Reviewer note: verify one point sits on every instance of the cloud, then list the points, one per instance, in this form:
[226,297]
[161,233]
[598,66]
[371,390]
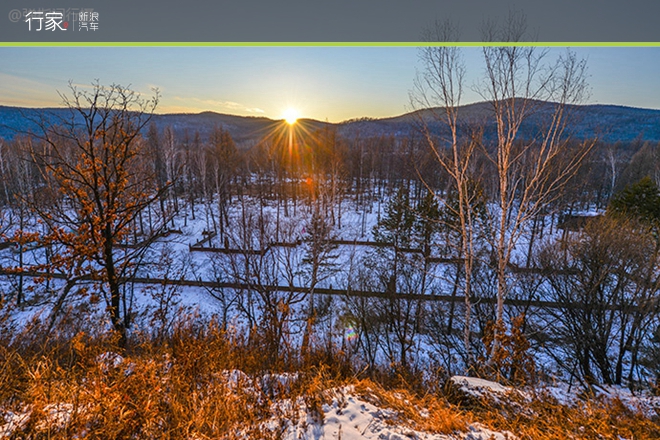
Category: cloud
[144,92]
[163,109]
[19,91]
[226,105]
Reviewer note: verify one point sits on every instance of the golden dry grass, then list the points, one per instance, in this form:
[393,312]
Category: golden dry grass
[431,413]
[192,386]
[543,418]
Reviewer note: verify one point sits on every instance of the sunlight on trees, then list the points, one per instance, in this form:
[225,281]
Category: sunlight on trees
[94,163]
[529,173]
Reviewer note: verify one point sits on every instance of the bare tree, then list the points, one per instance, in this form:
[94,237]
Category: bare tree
[94,162]
[438,91]
[531,170]
[606,280]
[222,159]
[19,181]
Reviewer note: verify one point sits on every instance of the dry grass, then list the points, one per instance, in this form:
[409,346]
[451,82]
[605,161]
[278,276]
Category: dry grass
[199,384]
[159,390]
[543,418]
[430,413]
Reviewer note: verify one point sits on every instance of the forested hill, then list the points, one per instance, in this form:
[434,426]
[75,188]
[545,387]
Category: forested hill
[609,123]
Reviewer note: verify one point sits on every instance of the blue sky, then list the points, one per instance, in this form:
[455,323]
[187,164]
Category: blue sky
[325,83]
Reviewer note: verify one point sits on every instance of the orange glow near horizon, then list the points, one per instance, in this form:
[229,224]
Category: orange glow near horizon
[291,115]
[293,140]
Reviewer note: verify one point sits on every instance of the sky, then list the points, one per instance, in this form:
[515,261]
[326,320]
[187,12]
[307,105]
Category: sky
[323,83]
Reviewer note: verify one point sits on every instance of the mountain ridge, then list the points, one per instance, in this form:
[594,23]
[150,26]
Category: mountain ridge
[607,122]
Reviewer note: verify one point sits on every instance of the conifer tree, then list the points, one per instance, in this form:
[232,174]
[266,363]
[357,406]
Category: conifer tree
[640,201]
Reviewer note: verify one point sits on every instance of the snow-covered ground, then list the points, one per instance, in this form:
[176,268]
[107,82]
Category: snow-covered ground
[350,266]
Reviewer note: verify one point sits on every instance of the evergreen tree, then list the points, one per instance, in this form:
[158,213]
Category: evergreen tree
[427,216]
[395,228]
[640,201]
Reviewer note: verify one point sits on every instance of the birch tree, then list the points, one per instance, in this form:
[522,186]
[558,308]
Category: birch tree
[531,166]
[438,91]
[521,82]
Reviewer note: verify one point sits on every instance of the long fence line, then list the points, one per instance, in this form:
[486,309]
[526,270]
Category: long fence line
[337,292]
[200,247]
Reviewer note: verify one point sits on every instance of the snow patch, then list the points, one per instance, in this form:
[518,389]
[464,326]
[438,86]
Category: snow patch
[14,422]
[478,387]
[57,416]
[349,417]
[110,361]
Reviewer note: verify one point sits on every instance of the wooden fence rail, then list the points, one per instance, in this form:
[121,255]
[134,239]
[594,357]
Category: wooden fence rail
[340,292]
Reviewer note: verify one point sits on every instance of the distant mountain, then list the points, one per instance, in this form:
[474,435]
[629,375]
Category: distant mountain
[18,120]
[609,123]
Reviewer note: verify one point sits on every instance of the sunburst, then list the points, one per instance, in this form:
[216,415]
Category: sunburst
[291,115]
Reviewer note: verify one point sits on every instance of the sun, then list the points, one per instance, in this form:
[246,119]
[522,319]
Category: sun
[291,115]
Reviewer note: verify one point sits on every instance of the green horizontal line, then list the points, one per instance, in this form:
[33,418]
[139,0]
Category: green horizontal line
[323,44]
